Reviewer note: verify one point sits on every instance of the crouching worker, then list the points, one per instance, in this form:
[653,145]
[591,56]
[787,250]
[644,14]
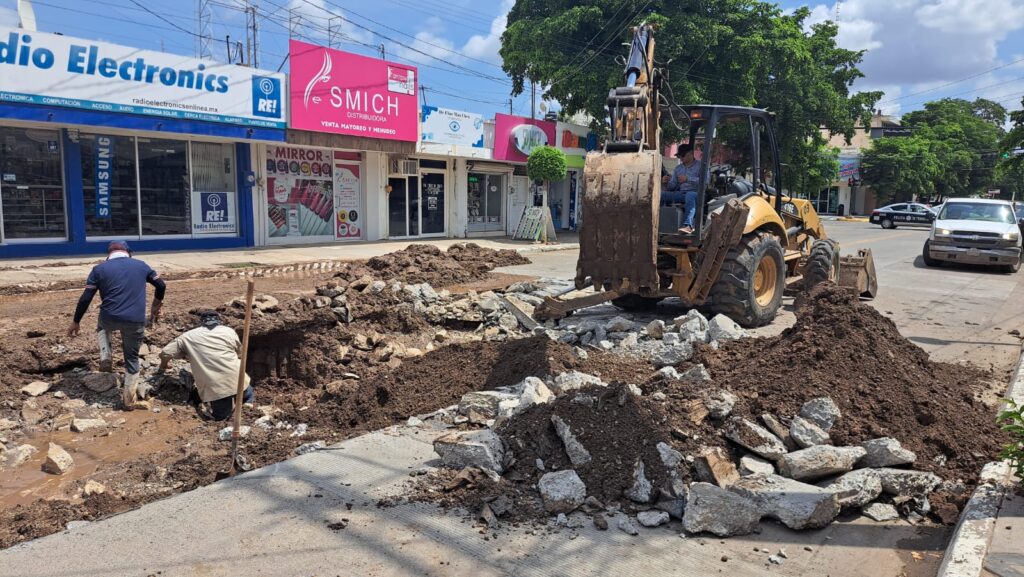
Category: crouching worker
[212,351]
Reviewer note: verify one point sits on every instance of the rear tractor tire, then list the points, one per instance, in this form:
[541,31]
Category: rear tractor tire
[822,263]
[749,287]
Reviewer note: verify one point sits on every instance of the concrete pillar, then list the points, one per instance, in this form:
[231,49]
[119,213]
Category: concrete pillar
[375,195]
[458,218]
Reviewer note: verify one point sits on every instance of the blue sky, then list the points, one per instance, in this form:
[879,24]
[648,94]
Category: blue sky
[918,50]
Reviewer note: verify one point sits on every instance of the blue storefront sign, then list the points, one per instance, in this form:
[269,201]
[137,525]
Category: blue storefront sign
[104,168]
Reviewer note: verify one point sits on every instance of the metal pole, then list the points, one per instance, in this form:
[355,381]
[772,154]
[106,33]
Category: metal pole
[533,99]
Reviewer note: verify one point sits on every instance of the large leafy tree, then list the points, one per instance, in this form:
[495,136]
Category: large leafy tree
[1011,142]
[742,52]
[897,168]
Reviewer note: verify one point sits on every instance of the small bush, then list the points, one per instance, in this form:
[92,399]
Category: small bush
[1012,421]
[546,163]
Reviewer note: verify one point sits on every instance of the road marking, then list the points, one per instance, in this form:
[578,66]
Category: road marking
[863,241]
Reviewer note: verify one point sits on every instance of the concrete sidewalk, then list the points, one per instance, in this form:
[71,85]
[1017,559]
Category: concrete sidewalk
[280,520]
[50,270]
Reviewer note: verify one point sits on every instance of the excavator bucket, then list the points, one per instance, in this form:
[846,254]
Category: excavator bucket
[619,233]
[858,272]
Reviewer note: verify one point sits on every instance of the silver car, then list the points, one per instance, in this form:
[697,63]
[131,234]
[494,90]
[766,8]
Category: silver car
[975,231]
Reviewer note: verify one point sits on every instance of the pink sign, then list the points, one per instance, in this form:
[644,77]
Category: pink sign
[343,93]
[516,136]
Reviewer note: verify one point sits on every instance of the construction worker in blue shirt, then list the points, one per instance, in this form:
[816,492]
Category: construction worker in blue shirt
[121,281]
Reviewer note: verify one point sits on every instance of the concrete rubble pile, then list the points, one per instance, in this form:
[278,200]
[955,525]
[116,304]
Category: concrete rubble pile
[769,466]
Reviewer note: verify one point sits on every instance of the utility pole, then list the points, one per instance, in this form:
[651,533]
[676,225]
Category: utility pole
[423,94]
[383,56]
[532,99]
[334,33]
[510,106]
[251,36]
[204,17]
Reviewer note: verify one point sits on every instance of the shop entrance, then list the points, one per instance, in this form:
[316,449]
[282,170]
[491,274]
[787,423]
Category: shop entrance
[486,202]
[416,205]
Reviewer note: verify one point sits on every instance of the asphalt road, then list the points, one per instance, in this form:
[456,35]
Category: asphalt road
[955,312]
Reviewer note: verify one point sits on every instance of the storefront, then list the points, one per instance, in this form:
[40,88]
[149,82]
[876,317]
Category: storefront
[514,138]
[564,196]
[341,175]
[102,142]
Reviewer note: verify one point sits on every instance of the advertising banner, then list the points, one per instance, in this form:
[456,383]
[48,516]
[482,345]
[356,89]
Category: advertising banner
[213,212]
[849,166]
[300,192]
[516,136]
[348,223]
[104,169]
[343,93]
[55,70]
[444,126]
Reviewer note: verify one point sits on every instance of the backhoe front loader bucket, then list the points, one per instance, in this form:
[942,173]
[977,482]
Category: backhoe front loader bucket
[619,232]
[858,272]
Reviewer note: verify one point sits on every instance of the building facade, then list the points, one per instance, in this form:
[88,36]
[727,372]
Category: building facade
[101,142]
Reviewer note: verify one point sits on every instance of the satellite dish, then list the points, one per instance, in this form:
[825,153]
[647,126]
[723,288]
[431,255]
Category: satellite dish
[543,107]
[26,15]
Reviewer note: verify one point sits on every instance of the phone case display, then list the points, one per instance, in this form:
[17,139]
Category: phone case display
[300,192]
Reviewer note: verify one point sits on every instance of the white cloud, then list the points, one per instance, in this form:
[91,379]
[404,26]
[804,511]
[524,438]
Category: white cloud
[486,47]
[915,42]
[313,17]
[428,40]
[431,39]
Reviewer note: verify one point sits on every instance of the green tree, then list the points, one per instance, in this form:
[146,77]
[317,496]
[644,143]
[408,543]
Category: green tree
[964,137]
[546,163]
[898,168]
[742,52]
[818,171]
[1011,141]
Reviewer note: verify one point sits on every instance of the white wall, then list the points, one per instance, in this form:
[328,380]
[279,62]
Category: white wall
[458,211]
[376,199]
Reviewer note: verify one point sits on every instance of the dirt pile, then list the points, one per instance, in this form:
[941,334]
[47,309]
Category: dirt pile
[883,384]
[420,263]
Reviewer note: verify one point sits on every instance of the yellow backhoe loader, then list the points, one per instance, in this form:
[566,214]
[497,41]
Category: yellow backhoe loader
[722,237]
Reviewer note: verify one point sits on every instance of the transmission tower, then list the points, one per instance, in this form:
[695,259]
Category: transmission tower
[204,36]
[252,37]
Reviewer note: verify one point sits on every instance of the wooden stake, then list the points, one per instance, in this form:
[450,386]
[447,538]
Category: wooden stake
[249,294]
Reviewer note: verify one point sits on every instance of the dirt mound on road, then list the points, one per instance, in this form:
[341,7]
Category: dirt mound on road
[885,385]
[418,263]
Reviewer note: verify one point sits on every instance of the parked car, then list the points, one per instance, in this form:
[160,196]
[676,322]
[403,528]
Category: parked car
[904,213]
[975,231]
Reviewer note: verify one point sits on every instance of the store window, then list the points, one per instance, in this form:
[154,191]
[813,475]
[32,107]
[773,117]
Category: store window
[485,198]
[164,187]
[110,186]
[31,184]
[213,188]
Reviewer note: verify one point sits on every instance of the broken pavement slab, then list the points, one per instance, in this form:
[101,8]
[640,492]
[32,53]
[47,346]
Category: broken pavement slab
[754,438]
[797,505]
[35,388]
[885,452]
[714,510]
[58,461]
[480,448]
[713,465]
[818,462]
[561,491]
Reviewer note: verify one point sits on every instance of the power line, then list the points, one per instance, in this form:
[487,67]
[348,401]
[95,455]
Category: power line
[185,30]
[964,79]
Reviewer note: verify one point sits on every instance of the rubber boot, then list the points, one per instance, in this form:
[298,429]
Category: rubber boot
[106,362]
[129,395]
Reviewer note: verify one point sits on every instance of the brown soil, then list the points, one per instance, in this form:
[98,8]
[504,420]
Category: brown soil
[884,384]
[463,262]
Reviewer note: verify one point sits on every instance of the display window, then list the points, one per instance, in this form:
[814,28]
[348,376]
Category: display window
[110,185]
[486,200]
[313,193]
[32,201]
[165,187]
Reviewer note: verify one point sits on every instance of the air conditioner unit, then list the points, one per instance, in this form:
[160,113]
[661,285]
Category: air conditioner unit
[402,165]
[410,167]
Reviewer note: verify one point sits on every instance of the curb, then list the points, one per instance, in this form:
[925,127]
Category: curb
[968,547]
[549,247]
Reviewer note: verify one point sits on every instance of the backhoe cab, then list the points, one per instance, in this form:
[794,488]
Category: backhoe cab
[745,241]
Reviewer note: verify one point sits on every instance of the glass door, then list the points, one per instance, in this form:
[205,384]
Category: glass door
[398,204]
[432,196]
[486,201]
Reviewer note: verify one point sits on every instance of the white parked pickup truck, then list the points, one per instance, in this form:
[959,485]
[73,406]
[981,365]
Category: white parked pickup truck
[975,231]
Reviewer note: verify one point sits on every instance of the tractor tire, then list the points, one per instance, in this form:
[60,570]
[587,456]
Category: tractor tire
[750,285]
[635,302]
[822,263]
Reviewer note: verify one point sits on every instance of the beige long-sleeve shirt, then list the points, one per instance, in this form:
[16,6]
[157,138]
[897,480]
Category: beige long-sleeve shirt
[213,355]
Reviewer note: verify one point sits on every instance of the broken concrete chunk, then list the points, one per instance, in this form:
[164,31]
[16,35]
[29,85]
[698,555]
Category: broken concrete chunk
[751,465]
[656,329]
[310,447]
[7,424]
[797,505]
[574,380]
[669,456]
[806,433]
[881,512]
[82,425]
[225,433]
[693,329]
[885,452]
[481,406]
[819,461]
[35,388]
[719,402]
[562,491]
[672,355]
[15,456]
[634,390]
[577,453]
[856,488]
[674,507]
[754,438]
[58,461]
[715,510]
[652,518]
[907,483]
[695,374]
[619,325]
[823,411]
[640,491]
[481,449]
[99,382]
[533,392]
[722,328]
[713,465]
[671,339]
[667,373]
[627,526]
